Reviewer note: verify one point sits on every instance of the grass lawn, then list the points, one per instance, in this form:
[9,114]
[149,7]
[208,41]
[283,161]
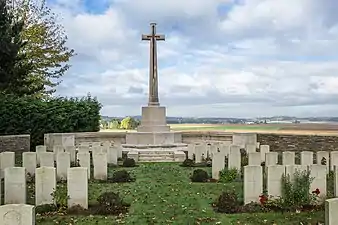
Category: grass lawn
[163,194]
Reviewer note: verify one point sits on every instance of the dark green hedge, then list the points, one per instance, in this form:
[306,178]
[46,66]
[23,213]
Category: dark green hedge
[58,115]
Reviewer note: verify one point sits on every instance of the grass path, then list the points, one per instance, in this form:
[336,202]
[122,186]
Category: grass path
[163,194]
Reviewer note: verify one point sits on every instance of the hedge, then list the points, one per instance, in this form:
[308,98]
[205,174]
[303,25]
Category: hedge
[57,115]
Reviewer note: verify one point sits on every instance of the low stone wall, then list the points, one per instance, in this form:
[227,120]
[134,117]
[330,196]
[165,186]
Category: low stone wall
[277,142]
[15,143]
[313,143]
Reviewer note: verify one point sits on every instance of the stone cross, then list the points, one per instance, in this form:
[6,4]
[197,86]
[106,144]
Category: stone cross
[153,79]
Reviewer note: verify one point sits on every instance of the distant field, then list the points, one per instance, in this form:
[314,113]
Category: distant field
[221,127]
[309,129]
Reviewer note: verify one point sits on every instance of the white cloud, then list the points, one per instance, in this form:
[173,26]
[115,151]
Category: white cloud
[266,57]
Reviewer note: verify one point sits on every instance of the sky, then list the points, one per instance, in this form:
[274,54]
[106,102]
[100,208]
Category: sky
[221,58]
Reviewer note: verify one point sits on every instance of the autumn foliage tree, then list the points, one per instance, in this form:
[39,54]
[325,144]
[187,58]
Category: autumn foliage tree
[46,44]
[14,68]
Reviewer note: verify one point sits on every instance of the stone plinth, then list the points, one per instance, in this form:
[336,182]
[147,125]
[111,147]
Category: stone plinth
[156,152]
[153,138]
[153,119]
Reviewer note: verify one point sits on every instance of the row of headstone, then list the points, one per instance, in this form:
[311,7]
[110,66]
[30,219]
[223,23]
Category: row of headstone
[330,159]
[253,179]
[63,161]
[45,184]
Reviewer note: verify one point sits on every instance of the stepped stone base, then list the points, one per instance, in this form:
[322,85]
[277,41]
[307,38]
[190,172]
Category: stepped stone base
[156,152]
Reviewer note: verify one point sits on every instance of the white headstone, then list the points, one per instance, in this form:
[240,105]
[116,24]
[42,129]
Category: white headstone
[112,155]
[77,186]
[234,160]
[15,185]
[331,209]
[45,184]
[263,150]
[323,156]
[199,149]
[225,149]
[57,149]
[274,180]
[271,159]
[47,159]
[84,148]
[7,160]
[96,149]
[17,214]
[335,169]
[84,161]
[306,158]
[39,149]
[253,183]
[333,159]
[72,152]
[29,162]
[288,158]
[218,164]
[254,159]
[250,148]
[62,165]
[100,166]
[290,170]
[191,150]
[318,172]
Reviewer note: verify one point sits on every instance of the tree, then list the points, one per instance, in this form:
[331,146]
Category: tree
[46,44]
[114,124]
[14,68]
[129,123]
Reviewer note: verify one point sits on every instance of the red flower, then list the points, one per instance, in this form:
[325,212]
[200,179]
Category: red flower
[263,199]
[317,191]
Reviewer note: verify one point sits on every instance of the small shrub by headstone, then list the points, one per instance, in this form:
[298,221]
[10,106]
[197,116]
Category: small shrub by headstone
[199,175]
[330,179]
[110,203]
[228,176]
[188,163]
[112,165]
[60,197]
[227,202]
[296,195]
[75,164]
[121,176]
[46,209]
[128,162]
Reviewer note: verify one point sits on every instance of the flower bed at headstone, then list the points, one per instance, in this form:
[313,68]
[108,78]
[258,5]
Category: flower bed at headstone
[164,194]
[296,197]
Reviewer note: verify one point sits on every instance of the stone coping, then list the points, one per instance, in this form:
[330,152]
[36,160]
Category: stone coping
[139,146]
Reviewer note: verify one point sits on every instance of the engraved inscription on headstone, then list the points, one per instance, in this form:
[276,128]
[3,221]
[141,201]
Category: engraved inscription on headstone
[12,218]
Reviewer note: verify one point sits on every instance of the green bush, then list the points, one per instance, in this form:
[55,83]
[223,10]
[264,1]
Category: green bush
[199,175]
[111,203]
[296,194]
[188,163]
[28,115]
[122,176]
[128,162]
[228,203]
[46,208]
[228,175]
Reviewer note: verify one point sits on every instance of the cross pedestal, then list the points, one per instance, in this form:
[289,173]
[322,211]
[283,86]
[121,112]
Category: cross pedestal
[153,119]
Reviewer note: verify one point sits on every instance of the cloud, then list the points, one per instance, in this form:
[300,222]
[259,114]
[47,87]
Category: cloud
[221,58]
